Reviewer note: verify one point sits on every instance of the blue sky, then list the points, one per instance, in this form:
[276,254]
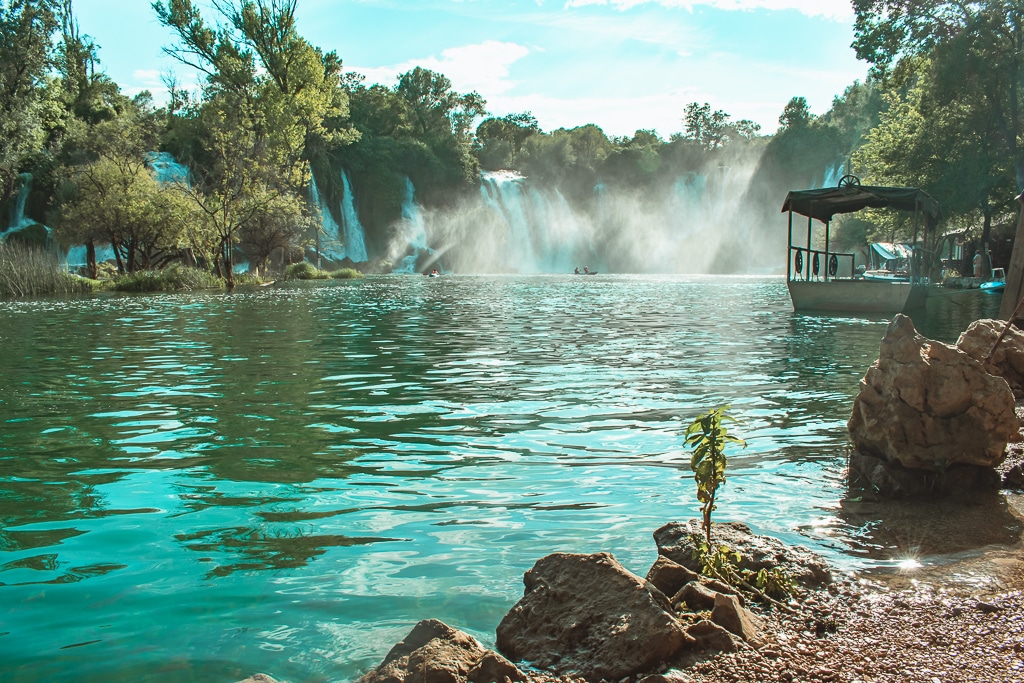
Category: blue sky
[622,64]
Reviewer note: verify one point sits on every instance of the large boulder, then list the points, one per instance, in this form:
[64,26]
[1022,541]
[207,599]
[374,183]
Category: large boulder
[927,405]
[434,652]
[677,542]
[586,615]
[1007,359]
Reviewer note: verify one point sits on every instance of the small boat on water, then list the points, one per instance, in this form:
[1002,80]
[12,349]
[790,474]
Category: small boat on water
[820,279]
[997,284]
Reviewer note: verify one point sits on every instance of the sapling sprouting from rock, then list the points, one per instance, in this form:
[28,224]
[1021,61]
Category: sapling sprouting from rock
[708,436]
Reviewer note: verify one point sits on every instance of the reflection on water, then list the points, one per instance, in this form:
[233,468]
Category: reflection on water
[202,486]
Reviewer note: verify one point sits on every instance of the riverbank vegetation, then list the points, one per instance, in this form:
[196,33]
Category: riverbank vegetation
[276,114]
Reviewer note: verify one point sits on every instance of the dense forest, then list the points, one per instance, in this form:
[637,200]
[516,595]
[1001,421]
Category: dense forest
[282,143]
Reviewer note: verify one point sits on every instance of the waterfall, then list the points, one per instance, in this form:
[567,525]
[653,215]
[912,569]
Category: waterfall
[166,168]
[340,241]
[414,230]
[832,175]
[18,220]
[355,236]
[538,232]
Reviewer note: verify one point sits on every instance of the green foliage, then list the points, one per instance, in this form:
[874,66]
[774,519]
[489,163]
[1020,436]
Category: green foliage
[708,436]
[26,56]
[346,274]
[713,130]
[722,563]
[775,583]
[304,270]
[26,271]
[174,278]
[716,561]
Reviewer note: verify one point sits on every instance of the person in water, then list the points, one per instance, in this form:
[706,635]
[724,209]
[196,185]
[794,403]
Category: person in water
[586,270]
[577,271]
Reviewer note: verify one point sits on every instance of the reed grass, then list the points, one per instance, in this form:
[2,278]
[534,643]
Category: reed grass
[31,271]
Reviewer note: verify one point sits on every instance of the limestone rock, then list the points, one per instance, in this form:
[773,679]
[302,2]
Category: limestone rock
[730,615]
[434,652]
[675,541]
[586,615]
[712,637]
[669,577]
[892,480]
[695,596]
[1007,360]
[928,405]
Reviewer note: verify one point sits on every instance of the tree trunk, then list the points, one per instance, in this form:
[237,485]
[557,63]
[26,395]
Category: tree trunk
[90,260]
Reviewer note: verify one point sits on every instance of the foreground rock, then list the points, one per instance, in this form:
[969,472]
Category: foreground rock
[676,542]
[434,652]
[929,411]
[1007,359]
[587,615]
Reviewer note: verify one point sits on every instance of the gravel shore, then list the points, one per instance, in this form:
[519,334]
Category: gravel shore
[956,622]
[957,619]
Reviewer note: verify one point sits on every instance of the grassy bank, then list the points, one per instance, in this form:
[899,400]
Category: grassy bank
[30,271]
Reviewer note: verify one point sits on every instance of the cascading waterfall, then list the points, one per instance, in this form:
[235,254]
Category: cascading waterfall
[340,241]
[414,230]
[833,174]
[539,232]
[166,168]
[18,220]
[355,236]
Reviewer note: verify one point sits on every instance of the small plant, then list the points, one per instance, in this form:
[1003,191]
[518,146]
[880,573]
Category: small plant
[775,583]
[708,436]
[716,561]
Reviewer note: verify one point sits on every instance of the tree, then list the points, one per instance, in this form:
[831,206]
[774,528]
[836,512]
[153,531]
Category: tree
[113,195]
[714,130]
[272,104]
[437,110]
[944,147]
[26,55]
[796,114]
[500,140]
[975,51]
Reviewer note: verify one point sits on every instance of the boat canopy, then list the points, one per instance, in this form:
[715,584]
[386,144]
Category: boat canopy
[827,202]
[889,251]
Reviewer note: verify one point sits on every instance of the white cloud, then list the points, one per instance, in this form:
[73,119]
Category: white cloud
[483,67]
[839,10]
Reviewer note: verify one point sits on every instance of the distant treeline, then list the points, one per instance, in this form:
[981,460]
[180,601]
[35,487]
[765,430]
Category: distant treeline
[274,109]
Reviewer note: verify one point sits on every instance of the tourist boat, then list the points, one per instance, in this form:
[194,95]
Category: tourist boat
[998,282]
[820,279]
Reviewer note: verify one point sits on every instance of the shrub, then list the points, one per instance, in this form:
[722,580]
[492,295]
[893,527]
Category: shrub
[304,270]
[174,278]
[346,274]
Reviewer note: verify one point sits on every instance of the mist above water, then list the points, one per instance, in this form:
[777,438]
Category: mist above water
[702,222]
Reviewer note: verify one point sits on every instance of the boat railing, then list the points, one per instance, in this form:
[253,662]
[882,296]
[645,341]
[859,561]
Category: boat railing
[818,265]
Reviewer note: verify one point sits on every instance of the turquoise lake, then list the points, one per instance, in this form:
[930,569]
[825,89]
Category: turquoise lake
[204,486]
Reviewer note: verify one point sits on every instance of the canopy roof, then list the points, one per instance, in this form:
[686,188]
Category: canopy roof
[827,202]
[889,250]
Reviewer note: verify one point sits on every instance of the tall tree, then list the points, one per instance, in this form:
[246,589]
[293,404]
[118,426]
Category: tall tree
[26,55]
[272,103]
[715,129]
[976,49]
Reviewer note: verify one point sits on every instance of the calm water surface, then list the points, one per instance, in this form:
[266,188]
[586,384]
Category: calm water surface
[199,487]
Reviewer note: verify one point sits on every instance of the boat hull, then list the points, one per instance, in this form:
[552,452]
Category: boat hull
[857,296]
